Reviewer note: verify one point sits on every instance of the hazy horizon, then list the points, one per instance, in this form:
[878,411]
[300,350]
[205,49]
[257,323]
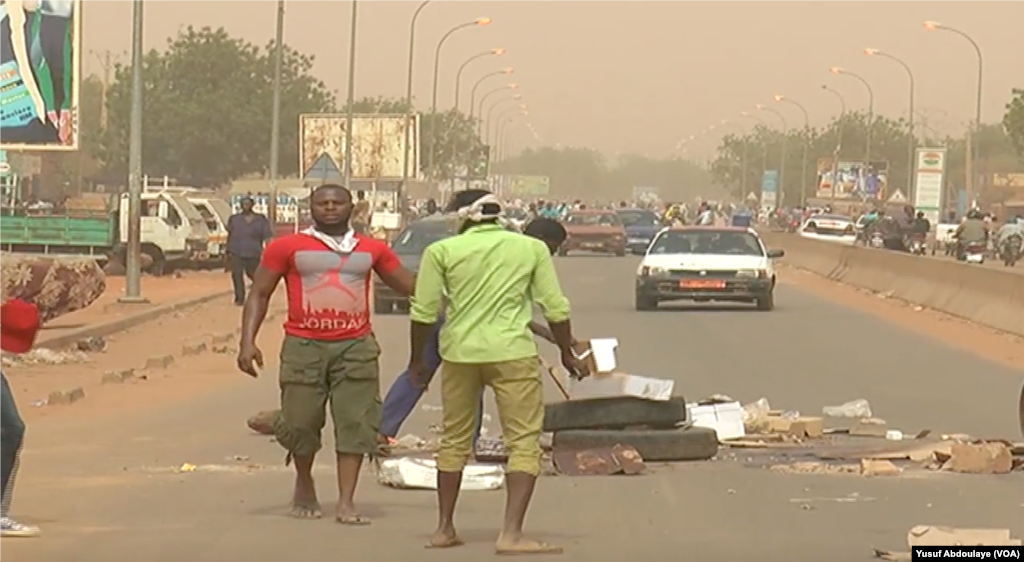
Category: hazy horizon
[632,76]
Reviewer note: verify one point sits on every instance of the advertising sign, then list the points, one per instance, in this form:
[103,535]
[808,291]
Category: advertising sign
[40,70]
[529,185]
[481,164]
[929,181]
[770,189]
[852,179]
[378,144]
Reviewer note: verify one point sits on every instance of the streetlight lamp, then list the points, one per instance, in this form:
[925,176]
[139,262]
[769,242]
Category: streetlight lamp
[350,113]
[481,80]
[871,107]
[975,149]
[806,135]
[275,115]
[133,258]
[912,142]
[480,106]
[437,68]
[408,102]
[458,75]
[785,149]
[490,112]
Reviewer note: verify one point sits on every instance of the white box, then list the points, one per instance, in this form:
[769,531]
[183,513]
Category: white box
[725,418]
[612,385]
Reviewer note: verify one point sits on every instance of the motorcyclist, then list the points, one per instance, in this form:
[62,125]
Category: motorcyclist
[892,233]
[972,231]
[1013,228]
[921,225]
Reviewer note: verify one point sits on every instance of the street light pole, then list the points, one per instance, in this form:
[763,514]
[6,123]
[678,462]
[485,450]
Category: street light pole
[480,107]
[785,149]
[912,141]
[501,116]
[275,115]
[408,104]
[976,145]
[458,75]
[871,108]
[481,80]
[490,112]
[434,124]
[839,135]
[806,135]
[133,258]
[350,114]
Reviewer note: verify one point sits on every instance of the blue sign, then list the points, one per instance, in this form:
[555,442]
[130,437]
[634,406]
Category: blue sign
[770,181]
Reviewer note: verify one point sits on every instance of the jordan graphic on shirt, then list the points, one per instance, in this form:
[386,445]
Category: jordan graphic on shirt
[333,288]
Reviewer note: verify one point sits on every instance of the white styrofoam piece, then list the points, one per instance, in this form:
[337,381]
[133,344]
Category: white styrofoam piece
[726,418]
[604,354]
[414,473]
[621,384]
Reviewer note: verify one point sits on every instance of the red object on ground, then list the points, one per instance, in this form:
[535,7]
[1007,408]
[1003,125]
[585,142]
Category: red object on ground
[19,324]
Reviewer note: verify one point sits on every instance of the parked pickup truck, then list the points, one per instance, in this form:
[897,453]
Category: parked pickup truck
[173,232]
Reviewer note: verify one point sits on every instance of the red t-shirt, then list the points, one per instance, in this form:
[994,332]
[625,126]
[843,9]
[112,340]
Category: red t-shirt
[328,292]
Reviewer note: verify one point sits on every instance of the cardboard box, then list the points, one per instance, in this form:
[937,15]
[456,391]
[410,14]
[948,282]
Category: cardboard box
[869,427]
[613,385]
[598,354]
[803,426]
[725,418]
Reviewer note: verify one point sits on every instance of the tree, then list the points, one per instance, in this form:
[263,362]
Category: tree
[586,173]
[207,109]
[1013,122]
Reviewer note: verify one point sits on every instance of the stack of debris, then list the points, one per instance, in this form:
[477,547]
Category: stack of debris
[613,421]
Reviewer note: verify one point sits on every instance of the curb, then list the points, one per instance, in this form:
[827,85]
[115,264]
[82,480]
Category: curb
[120,325]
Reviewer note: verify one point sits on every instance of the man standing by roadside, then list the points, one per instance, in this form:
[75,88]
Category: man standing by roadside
[35,289]
[248,231]
[490,276]
[361,214]
[329,354]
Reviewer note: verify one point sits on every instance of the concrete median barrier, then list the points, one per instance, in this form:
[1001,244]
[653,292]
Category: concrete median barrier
[988,296]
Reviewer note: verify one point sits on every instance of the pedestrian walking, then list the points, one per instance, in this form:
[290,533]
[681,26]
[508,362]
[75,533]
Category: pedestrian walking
[248,231]
[329,356]
[490,278]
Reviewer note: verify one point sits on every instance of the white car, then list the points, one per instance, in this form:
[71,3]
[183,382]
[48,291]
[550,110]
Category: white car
[838,229]
[702,264]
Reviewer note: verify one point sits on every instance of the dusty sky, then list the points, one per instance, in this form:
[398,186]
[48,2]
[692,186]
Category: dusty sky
[633,76]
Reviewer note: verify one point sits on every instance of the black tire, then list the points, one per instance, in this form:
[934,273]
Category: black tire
[614,413]
[644,303]
[684,444]
[383,307]
[158,264]
[766,303]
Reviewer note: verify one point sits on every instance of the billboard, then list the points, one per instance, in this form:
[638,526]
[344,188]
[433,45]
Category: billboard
[770,189]
[529,185]
[378,144]
[852,179]
[40,72]
[929,181]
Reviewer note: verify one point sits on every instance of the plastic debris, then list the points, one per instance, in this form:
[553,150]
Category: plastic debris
[409,473]
[187,468]
[853,409]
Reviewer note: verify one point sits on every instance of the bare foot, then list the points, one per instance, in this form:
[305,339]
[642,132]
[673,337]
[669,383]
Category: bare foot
[445,538]
[524,547]
[304,502]
[347,515]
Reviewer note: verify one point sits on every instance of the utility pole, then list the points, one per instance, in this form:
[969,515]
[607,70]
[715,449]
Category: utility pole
[106,60]
[133,260]
[275,119]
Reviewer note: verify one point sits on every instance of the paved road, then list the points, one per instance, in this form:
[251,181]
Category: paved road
[107,490]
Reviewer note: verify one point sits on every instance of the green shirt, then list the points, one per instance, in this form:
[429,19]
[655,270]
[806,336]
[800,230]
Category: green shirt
[491,277]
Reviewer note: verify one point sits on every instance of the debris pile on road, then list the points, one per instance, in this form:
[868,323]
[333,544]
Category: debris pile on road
[858,444]
[45,356]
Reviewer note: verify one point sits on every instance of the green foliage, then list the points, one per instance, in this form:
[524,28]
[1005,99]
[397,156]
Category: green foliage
[1013,122]
[586,173]
[208,104]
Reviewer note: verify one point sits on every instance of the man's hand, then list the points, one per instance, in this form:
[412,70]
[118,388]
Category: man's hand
[577,369]
[250,359]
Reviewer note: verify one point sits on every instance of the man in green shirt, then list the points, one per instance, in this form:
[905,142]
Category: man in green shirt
[491,278]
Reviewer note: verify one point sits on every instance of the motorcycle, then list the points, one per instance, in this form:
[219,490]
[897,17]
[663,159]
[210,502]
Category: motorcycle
[876,240]
[972,252]
[916,244]
[1010,250]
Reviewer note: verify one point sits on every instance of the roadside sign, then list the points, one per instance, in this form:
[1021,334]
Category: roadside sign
[929,181]
[898,197]
[479,168]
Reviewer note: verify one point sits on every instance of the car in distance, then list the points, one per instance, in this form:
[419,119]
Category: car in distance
[703,264]
[837,229]
[594,231]
[641,226]
[409,246]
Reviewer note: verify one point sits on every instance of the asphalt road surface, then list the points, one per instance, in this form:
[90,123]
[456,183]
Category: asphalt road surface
[108,490]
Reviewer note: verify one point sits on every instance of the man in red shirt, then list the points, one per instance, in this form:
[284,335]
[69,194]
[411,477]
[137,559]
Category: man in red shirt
[329,354]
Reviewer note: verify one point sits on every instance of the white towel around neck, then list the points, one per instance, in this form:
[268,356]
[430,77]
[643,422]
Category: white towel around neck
[345,245]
